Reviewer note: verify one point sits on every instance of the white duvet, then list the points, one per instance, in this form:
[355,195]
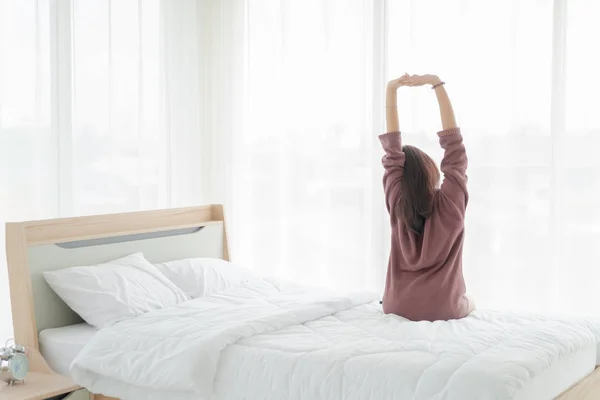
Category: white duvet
[268,340]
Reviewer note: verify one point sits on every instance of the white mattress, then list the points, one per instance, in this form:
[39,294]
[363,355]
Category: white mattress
[60,346]
[268,341]
[560,376]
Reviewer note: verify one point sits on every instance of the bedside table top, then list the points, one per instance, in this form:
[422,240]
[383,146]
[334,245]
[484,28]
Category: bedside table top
[40,383]
[38,386]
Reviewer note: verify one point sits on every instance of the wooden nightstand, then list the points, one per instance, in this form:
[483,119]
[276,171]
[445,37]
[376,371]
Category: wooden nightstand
[42,383]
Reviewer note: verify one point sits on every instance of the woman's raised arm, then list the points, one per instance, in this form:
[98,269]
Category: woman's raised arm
[393,160]
[446,111]
[455,162]
[391,103]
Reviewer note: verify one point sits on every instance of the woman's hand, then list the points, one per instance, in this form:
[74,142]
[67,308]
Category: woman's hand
[420,80]
[395,84]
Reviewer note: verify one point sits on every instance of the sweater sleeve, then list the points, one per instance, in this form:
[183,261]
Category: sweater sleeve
[454,167]
[393,163]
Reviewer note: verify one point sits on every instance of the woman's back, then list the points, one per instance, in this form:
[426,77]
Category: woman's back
[424,278]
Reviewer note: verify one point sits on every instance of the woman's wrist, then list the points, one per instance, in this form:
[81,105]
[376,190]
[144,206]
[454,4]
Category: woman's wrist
[435,80]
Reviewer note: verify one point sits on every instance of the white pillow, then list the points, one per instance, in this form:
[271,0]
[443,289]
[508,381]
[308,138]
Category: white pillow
[107,293]
[204,276]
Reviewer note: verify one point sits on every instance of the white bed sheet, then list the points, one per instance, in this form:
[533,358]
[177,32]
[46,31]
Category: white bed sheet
[264,342]
[60,346]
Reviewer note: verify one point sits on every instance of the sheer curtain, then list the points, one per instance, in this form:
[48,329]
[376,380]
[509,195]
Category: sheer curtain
[306,178]
[100,110]
[274,107]
[306,175]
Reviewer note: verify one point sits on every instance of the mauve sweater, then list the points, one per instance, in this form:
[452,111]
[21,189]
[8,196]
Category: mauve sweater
[424,277]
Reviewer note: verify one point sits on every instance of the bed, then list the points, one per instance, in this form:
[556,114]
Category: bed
[327,348]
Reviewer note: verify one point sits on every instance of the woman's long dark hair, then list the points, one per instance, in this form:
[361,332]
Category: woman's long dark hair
[419,183]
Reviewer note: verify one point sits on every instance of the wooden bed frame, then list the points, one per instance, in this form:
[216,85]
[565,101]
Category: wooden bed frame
[22,237]
[31,245]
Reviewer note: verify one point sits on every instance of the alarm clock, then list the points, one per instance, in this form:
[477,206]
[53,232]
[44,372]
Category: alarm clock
[14,363]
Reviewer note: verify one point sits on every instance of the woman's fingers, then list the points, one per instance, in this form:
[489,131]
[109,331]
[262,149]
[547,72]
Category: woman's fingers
[402,80]
[410,80]
[416,80]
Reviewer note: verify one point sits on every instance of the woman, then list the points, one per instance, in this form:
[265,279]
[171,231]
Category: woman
[424,277]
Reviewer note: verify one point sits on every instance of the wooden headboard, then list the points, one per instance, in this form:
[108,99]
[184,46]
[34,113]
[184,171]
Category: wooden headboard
[34,247]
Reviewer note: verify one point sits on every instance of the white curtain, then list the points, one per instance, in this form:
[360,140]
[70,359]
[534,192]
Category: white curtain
[306,173]
[522,75]
[101,108]
[274,108]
